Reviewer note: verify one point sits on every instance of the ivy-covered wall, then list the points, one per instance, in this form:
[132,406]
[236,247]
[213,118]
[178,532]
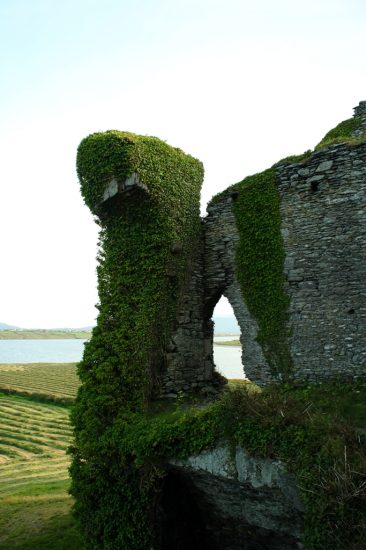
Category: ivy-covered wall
[258,269]
[150,228]
[287,248]
[300,260]
[145,195]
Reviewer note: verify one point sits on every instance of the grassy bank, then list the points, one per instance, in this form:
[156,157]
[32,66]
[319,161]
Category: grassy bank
[228,343]
[44,334]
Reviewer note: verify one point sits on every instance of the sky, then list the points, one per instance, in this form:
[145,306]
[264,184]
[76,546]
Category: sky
[236,83]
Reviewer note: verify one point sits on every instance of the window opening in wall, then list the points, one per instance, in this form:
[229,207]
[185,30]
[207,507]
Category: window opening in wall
[227,348]
[314,186]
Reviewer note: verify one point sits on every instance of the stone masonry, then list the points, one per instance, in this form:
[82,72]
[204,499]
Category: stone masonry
[323,210]
[190,362]
[322,203]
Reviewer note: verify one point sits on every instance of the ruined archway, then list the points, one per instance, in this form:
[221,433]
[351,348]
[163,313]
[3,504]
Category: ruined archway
[227,355]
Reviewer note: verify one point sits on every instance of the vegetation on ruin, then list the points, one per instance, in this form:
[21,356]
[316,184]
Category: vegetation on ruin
[342,133]
[318,431]
[294,159]
[146,243]
[259,264]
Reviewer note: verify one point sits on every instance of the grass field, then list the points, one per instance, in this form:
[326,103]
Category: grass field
[43,334]
[228,343]
[45,381]
[34,503]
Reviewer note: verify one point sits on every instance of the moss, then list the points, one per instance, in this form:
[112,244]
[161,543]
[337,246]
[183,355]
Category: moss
[293,159]
[341,133]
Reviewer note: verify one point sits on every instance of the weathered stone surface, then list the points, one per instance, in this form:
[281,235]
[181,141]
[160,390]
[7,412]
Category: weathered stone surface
[324,235]
[190,361]
[324,166]
[111,189]
[245,501]
[114,187]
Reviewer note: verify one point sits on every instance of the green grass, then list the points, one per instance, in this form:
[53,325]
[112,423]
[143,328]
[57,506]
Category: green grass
[228,343]
[342,133]
[347,401]
[44,381]
[44,334]
[34,480]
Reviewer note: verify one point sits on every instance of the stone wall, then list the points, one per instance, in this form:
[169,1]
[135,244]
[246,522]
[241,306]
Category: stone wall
[221,238]
[244,502]
[190,362]
[323,211]
[188,359]
[360,111]
[323,208]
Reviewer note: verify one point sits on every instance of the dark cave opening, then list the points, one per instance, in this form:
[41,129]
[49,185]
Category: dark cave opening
[201,511]
[182,526]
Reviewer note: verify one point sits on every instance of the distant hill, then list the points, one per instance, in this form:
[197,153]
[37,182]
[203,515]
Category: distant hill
[4,326]
[226,325]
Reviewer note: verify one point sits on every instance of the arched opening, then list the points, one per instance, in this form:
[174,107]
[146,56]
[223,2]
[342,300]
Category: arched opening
[227,351]
[181,523]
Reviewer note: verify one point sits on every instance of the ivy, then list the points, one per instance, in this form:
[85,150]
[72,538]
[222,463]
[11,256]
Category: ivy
[259,265]
[273,423]
[140,282]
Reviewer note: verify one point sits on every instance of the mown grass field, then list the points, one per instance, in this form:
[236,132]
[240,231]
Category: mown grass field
[44,334]
[45,381]
[35,508]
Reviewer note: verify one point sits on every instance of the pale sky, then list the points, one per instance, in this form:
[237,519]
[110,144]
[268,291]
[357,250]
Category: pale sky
[238,84]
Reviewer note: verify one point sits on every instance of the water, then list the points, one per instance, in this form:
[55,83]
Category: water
[227,359]
[41,351]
